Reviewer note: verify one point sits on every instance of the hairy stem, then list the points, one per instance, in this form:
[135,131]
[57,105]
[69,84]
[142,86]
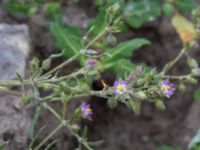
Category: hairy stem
[61,125]
[170,64]
[95,39]
[62,65]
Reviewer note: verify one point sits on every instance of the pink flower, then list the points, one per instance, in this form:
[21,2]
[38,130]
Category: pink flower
[86,110]
[120,87]
[167,88]
[139,70]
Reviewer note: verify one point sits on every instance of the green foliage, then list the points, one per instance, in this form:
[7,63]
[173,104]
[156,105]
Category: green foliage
[30,8]
[194,143]
[2,146]
[138,12]
[185,5]
[168,8]
[125,49]
[168,148]
[14,6]
[197,95]
[68,38]
[112,103]
[134,105]
[159,104]
[51,8]
[106,2]
[99,22]
[125,66]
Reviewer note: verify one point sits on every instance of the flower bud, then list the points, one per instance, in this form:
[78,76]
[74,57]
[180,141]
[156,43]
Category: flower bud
[25,99]
[196,71]
[112,103]
[182,87]
[46,64]
[90,63]
[192,63]
[141,95]
[111,39]
[113,9]
[192,80]
[139,70]
[159,104]
[75,127]
[46,86]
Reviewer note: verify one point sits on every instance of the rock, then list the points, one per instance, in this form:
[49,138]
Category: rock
[14,49]
[15,121]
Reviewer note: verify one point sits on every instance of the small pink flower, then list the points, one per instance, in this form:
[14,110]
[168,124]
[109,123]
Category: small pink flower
[167,88]
[86,110]
[131,78]
[139,70]
[90,63]
[120,87]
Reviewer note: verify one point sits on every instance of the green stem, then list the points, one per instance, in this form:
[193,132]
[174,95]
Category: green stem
[62,65]
[95,39]
[170,64]
[181,77]
[52,111]
[49,136]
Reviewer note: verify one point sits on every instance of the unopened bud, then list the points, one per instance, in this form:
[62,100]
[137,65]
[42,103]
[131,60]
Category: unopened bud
[141,95]
[192,63]
[46,64]
[25,99]
[182,87]
[196,71]
[159,104]
[75,128]
[112,103]
[46,86]
[192,80]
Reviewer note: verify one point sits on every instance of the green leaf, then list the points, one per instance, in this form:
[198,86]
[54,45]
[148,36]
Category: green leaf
[197,95]
[112,103]
[95,143]
[50,145]
[107,2]
[99,22]
[51,7]
[186,5]
[138,12]
[34,121]
[168,148]
[16,7]
[84,132]
[125,49]
[98,2]
[195,140]
[122,66]
[134,105]
[159,104]
[2,146]
[168,8]
[68,38]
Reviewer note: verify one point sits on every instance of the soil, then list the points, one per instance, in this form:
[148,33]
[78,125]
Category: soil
[120,128]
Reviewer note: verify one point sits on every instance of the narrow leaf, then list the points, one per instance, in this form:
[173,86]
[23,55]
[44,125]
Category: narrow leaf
[125,49]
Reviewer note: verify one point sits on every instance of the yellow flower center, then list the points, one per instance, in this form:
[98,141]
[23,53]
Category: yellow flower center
[121,88]
[165,88]
[88,110]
